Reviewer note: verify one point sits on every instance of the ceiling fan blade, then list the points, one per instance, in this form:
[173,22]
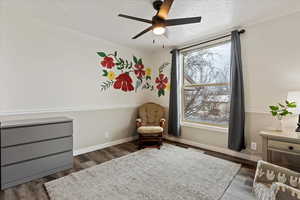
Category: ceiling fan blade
[165,9]
[166,34]
[181,21]
[136,18]
[143,32]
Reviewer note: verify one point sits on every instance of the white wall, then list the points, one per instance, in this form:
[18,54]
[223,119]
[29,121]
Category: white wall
[271,62]
[52,69]
[45,66]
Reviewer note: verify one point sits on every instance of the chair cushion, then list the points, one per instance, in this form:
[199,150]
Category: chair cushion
[150,129]
[262,192]
[151,114]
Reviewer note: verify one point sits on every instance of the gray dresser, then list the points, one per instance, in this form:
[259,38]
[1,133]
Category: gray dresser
[35,148]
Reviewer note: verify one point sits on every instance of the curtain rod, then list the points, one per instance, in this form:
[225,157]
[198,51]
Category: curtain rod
[218,38]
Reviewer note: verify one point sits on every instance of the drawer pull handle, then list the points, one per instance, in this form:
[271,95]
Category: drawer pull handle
[291,148]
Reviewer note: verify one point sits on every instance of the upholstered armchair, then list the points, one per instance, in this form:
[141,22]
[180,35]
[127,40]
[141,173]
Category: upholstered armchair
[150,124]
[276,183]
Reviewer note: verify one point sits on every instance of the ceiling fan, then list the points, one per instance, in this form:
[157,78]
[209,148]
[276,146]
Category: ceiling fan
[159,22]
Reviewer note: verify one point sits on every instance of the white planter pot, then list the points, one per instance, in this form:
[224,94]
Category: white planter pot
[278,126]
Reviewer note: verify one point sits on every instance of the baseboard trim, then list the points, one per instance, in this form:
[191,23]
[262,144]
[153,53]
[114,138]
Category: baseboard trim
[102,146]
[229,152]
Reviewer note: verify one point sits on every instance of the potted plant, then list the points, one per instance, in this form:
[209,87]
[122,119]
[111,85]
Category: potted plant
[280,111]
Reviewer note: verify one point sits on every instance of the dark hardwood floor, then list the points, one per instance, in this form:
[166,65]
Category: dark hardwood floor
[239,189]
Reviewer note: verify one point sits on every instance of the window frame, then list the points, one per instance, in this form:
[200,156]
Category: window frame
[188,123]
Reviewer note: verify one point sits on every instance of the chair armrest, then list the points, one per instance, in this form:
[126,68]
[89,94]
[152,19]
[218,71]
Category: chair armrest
[162,122]
[267,173]
[138,122]
[281,191]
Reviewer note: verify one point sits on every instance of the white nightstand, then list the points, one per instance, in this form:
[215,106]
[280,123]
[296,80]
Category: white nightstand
[286,144]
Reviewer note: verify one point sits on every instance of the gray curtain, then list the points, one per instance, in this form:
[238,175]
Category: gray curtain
[236,138]
[174,117]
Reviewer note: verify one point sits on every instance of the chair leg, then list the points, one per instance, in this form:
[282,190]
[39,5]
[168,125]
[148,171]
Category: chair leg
[159,142]
[140,142]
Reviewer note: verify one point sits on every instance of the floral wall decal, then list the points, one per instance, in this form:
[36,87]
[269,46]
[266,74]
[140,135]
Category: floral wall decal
[131,75]
[123,74]
[162,81]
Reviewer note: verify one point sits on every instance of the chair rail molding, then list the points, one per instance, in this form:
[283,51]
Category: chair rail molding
[65,109]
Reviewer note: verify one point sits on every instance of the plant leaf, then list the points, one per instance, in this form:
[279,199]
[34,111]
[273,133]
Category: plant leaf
[292,105]
[281,105]
[284,112]
[275,108]
[274,113]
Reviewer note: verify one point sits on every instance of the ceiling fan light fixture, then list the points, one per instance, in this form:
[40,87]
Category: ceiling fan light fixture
[159,30]
[159,21]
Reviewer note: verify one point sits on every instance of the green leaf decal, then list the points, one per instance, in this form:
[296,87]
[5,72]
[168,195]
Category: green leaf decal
[140,62]
[105,85]
[104,73]
[162,67]
[135,60]
[130,65]
[138,84]
[101,54]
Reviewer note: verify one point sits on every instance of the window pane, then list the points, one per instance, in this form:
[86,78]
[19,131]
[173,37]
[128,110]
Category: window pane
[207,65]
[208,104]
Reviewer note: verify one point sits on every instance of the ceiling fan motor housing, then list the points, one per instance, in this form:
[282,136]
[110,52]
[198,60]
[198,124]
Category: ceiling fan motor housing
[156,20]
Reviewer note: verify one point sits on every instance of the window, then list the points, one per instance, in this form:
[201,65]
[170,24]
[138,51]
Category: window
[206,85]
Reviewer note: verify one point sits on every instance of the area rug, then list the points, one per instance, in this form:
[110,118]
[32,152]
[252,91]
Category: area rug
[171,173]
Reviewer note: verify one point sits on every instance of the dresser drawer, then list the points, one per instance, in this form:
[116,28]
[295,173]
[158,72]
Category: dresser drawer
[34,168]
[284,146]
[29,134]
[24,152]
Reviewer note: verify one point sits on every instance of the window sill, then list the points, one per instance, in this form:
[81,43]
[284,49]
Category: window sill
[205,127]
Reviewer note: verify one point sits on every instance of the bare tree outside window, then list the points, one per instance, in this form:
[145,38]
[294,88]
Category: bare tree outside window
[206,92]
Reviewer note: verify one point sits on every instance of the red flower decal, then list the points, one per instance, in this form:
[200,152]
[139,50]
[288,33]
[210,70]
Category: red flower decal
[162,81]
[139,72]
[124,82]
[108,62]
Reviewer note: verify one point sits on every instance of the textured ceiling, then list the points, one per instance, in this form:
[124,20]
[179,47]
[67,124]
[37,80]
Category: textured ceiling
[99,17]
